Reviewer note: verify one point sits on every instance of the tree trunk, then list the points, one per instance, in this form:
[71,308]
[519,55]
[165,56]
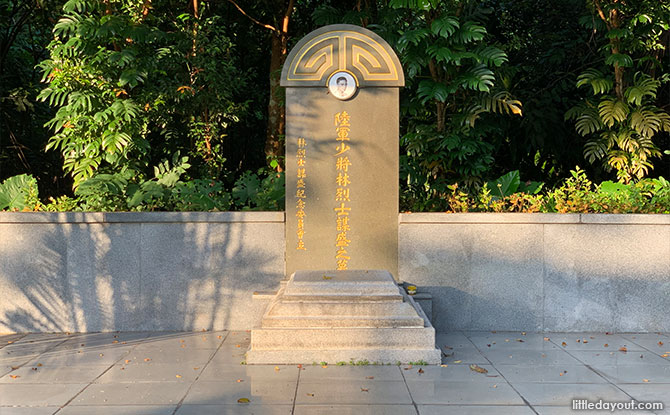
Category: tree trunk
[274,143]
[615,23]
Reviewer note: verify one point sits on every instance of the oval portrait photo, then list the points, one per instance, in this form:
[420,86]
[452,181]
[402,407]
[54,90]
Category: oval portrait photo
[342,85]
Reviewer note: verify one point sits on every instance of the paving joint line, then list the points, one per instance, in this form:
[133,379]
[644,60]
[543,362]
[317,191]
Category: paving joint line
[97,377]
[644,347]
[297,385]
[501,375]
[414,404]
[594,370]
[204,367]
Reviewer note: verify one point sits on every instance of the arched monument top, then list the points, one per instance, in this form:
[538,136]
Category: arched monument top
[342,47]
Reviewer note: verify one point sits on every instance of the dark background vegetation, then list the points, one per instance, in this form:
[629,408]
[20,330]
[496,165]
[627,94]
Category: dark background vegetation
[203,77]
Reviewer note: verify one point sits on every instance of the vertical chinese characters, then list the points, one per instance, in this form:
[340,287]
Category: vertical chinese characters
[300,191]
[342,192]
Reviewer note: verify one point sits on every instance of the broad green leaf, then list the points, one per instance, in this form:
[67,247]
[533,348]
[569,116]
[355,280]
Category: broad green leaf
[505,185]
[620,59]
[16,190]
[445,26]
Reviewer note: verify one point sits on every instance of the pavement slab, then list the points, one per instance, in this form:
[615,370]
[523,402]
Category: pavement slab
[355,410]
[37,395]
[230,392]
[460,393]
[200,373]
[353,392]
[474,410]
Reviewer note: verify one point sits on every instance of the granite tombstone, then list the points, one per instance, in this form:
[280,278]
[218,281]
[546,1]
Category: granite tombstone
[341,302]
[342,85]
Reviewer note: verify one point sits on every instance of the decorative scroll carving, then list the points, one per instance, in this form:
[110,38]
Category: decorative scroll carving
[342,48]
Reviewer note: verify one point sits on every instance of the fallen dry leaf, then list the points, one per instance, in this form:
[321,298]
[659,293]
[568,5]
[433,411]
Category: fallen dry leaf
[128,361]
[457,361]
[523,333]
[196,368]
[240,380]
[326,277]
[183,345]
[299,366]
[546,339]
[664,355]
[520,341]
[623,349]
[607,345]
[243,400]
[564,344]
[660,344]
[102,354]
[444,365]
[178,376]
[369,377]
[14,376]
[237,345]
[495,386]
[645,380]
[220,337]
[408,367]
[277,368]
[585,341]
[34,368]
[115,341]
[365,390]
[147,360]
[420,370]
[478,369]
[123,368]
[310,394]
[15,367]
[39,365]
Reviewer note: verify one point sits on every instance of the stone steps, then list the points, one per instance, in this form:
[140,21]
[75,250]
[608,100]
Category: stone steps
[343,338]
[338,298]
[342,315]
[351,308]
[341,321]
[372,356]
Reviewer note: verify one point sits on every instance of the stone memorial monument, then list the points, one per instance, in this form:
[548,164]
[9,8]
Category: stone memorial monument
[341,302]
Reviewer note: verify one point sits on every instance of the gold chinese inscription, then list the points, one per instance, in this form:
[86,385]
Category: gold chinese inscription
[342,192]
[300,196]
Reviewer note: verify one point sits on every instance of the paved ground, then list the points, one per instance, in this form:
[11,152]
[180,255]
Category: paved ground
[202,374]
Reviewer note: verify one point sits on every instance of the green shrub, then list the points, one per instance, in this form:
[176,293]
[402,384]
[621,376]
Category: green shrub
[19,193]
[577,194]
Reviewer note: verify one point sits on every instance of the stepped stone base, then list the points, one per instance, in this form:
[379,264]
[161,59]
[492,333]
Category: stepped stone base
[343,316]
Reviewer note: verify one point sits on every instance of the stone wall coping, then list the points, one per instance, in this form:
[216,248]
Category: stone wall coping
[534,218]
[278,217]
[143,217]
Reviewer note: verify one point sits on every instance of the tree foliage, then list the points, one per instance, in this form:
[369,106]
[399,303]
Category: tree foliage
[621,118]
[124,77]
[491,86]
[456,76]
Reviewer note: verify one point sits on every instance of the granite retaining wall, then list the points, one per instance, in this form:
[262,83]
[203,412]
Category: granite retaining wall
[71,272]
